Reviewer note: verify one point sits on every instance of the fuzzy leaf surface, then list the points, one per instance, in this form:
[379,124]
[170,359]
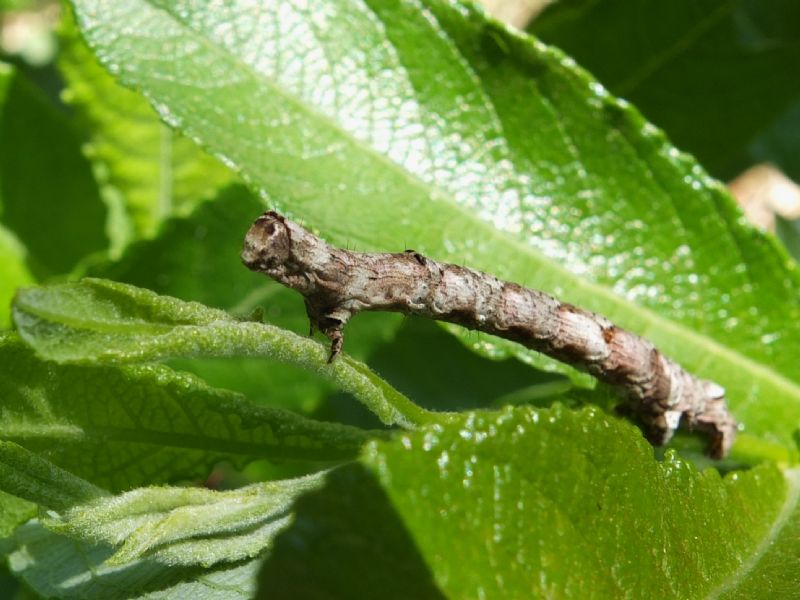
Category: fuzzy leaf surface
[35,479]
[58,566]
[99,321]
[186,526]
[126,426]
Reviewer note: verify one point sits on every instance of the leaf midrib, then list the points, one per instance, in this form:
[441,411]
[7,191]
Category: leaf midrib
[654,320]
[73,434]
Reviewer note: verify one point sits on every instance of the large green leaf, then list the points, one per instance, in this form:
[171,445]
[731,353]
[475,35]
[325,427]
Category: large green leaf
[148,169]
[712,73]
[98,321]
[528,503]
[385,124]
[126,426]
[48,197]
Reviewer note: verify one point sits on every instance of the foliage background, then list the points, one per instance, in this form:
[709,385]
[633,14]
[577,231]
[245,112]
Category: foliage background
[426,125]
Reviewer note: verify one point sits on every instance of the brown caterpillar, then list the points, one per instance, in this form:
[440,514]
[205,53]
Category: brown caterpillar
[338,283]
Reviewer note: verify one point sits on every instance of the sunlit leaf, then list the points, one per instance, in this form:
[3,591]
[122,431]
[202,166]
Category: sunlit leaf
[387,125]
[527,503]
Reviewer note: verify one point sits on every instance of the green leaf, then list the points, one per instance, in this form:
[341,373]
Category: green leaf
[48,197]
[60,567]
[204,247]
[544,503]
[187,526]
[690,66]
[13,273]
[151,170]
[97,321]
[177,527]
[386,125]
[13,512]
[32,478]
[126,426]
[347,542]
[772,572]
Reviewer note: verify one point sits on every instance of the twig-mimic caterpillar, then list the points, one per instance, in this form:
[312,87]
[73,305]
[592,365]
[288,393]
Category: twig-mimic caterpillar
[338,283]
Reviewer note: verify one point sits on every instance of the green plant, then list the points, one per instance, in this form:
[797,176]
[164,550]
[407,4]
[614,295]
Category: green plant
[478,469]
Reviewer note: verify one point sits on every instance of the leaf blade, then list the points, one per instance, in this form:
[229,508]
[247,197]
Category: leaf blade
[685,67]
[571,192]
[148,170]
[548,502]
[45,180]
[137,425]
[13,273]
[103,321]
[59,566]
[187,526]
[32,478]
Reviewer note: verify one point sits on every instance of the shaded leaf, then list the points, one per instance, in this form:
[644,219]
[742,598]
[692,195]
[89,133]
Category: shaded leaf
[347,541]
[48,197]
[13,512]
[386,125]
[32,478]
[437,372]
[780,143]
[151,170]
[126,426]
[710,72]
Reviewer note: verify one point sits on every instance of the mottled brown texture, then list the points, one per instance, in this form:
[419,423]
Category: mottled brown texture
[337,284]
